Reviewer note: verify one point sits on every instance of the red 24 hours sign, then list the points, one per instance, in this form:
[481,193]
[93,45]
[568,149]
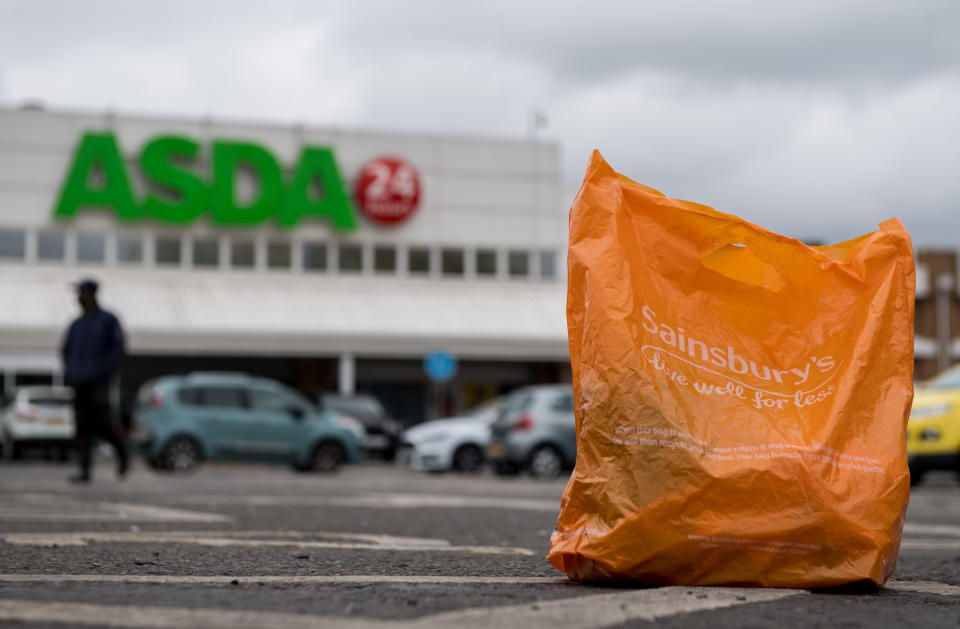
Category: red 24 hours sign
[388,190]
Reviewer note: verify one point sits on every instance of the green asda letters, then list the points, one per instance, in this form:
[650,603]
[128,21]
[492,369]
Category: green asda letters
[175,193]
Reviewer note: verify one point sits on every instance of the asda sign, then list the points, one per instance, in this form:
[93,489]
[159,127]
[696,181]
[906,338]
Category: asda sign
[179,189]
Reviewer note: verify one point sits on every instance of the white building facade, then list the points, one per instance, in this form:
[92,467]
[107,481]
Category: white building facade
[262,248]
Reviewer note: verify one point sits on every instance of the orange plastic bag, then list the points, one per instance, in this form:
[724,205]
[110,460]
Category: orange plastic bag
[741,397]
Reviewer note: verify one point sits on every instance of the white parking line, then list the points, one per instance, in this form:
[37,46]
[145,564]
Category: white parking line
[911,528]
[383,501]
[165,579]
[295,539]
[582,612]
[926,587]
[929,587]
[930,544]
[51,507]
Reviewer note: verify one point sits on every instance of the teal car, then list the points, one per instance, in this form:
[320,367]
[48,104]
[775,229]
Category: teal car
[180,421]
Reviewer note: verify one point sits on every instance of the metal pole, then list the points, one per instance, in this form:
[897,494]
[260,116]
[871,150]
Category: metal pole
[944,293]
[347,382]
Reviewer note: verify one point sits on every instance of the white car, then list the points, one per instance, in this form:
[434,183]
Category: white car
[454,443]
[38,417]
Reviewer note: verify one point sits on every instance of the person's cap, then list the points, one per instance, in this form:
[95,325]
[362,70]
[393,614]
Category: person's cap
[86,285]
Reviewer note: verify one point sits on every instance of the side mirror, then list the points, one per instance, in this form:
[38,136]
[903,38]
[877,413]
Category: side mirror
[296,412]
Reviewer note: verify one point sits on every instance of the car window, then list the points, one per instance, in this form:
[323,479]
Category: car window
[224,397]
[52,402]
[357,406]
[947,380]
[220,397]
[266,400]
[515,403]
[189,396]
[563,403]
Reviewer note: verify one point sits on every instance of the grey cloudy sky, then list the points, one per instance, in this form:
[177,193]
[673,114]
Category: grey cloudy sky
[817,119]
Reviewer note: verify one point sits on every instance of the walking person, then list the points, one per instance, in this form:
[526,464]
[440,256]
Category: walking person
[93,349]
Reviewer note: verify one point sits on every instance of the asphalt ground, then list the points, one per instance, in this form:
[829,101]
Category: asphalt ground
[380,546]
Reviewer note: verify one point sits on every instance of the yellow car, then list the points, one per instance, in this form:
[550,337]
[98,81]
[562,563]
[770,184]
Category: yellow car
[933,432]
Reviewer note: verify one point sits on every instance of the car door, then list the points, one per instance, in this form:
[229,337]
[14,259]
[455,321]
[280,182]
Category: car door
[225,422]
[281,422]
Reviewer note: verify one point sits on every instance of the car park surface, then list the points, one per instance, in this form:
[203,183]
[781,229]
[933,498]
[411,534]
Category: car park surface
[182,420]
[247,545]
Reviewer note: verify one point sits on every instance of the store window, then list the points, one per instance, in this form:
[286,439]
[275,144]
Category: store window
[314,256]
[418,260]
[385,259]
[167,250]
[518,263]
[90,248]
[51,246]
[350,258]
[206,252]
[278,254]
[548,265]
[451,261]
[243,254]
[130,248]
[13,244]
[486,262]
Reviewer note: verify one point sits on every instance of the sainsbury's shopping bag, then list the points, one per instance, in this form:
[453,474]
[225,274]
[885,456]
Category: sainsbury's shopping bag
[741,397]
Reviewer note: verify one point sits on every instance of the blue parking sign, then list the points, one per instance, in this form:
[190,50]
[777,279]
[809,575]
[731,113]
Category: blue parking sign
[440,365]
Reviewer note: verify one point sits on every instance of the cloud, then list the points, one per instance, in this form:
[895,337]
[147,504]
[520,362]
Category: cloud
[817,119]
[813,42]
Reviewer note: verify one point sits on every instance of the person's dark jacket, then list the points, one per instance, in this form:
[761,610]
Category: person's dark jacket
[93,349]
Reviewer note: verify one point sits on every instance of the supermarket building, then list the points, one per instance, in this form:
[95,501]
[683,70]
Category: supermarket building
[330,259]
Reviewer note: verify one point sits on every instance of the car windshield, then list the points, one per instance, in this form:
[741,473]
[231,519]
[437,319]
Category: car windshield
[356,405]
[481,408]
[949,379]
[50,401]
[515,403]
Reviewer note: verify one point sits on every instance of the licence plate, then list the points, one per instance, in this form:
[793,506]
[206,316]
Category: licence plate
[55,421]
[495,450]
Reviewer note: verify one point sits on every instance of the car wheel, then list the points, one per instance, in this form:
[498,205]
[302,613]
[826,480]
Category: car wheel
[468,458]
[545,462]
[326,457]
[181,454]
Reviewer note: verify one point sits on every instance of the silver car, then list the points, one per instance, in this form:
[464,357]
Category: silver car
[535,431]
[38,417]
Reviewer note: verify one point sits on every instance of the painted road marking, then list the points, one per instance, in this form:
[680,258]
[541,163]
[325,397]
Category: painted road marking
[161,579]
[926,587]
[583,612]
[930,544]
[951,530]
[295,539]
[929,587]
[50,507]
[383,501]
